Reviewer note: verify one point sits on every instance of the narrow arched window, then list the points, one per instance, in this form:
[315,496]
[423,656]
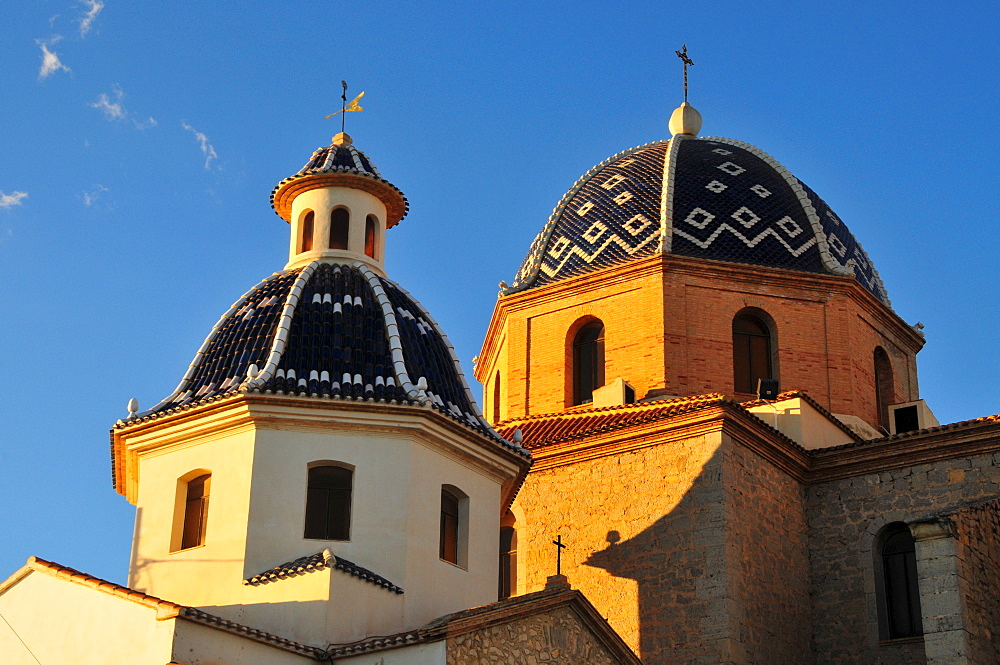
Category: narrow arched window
[195,511]
[496,398]
[588,362]
[508,562]
[896,580]
[328,503]
[751,353]
[452,546]
[340,228]
[306,231]
[884,388]
[371,235]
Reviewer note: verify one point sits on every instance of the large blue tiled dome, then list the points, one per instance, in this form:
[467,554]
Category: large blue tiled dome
[711,198]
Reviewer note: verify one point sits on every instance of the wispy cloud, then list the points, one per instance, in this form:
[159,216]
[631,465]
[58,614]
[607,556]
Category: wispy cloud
[50,60]
[86,20]
[113,107]
[12,199]
[89,198]
[206,146]
[111,104]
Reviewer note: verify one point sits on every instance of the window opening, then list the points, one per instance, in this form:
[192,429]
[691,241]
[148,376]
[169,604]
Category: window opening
[751,353]
[306,242]
[328,503]
[371,235]
[588,362]
[496,399]
[508,562]
[900,593]
[884,389]
[195,511]
[340,227]
[448,546]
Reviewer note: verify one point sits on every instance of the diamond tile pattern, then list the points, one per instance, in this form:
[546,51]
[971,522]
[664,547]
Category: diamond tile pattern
[737,224]
[338,346]
[729,203]
[611,216]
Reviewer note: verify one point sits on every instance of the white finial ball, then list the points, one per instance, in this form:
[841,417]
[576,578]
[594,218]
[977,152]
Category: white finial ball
[422,383]
[253,371]
[518,436]
[133,406]
[685,120]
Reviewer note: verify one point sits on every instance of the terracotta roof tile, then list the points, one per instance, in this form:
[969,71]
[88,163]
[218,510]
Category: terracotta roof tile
[547,429]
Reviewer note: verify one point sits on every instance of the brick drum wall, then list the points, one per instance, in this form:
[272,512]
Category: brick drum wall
[843,517]
[766,536]
[978,535]
[646,543]
[541,639]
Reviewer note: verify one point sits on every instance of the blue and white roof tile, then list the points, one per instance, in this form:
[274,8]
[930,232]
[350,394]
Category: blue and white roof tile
[333,331]
[711,198]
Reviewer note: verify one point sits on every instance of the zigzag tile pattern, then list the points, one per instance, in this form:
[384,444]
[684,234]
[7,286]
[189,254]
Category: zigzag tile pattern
[730,205]
[611,216]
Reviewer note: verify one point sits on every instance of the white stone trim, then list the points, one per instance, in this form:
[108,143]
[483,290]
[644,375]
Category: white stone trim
[392,333]
[667,195]
[199,356]
[283,329]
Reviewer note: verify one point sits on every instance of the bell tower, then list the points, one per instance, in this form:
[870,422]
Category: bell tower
[322,470]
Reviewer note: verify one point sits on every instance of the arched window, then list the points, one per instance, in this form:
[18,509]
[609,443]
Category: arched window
[751,353]
[195,511]
[371,235]
[454,525]
[885,393]
[306,231]
[507,583]
[340,228]
[588,362]
[496,398]
[896,582]
[328,503]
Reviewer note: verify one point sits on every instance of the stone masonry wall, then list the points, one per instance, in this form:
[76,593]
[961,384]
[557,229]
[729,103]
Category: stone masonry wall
[557,636]
[844,518]
[766,543]
[645,540]
[978,536]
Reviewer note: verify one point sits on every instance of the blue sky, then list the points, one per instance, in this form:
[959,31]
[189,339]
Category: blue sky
[141,140]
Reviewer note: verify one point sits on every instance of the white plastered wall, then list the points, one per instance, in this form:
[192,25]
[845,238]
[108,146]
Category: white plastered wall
[256,520]
[322,201]
[64,622]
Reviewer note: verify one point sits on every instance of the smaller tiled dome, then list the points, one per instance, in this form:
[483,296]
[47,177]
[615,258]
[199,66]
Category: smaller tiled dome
[332,331]
[339,163]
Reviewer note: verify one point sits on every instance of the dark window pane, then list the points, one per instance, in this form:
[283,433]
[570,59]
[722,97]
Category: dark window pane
[340,224]
[751,353]
[195,512]
[307,232]
[588,362]
[449,527]
[901,591]
[508,563]
[328,503]
[370,235]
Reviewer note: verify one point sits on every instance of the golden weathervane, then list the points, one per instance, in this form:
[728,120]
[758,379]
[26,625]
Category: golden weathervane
[345,107]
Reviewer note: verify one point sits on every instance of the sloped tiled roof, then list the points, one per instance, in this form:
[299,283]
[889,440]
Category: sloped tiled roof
[174,609]
[321,561]
[551,428]
[711,198]
[333,331]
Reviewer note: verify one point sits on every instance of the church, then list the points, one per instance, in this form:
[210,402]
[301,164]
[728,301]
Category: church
[702,441]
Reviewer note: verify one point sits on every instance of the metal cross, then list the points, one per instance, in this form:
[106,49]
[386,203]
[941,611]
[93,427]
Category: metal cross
[343,105]
[683,55]
[559,548]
